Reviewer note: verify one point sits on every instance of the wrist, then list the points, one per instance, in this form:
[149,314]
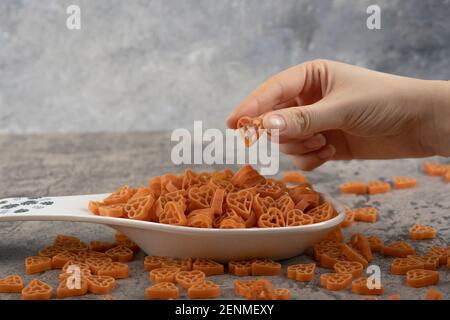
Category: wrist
[439,91]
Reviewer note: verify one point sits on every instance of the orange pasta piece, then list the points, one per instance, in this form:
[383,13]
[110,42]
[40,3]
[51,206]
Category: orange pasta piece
[240,268]
[179,197]
[83,255]
[262,204]
[360,286]
[74,246]
[349,218]
[434,169]
[376,244]
[190,179]
[326,246]
[64,291]
[353,267]
[37,264]
[433,294]
[296,217]
[247,177]
[187,279]
[285,204]
[162,291]
[100,284]
[164,274]
[336,235]
[112,210]
[399,249]
[250,129]
[231,224]
[401,182]
[94,207]
[368,214]
[217,201]
[50,251]
[63,239]
[442,252]
[204,290]
[282,294]
[329,258]
[362,243]
[62,258]
[376,187]
[117,270]
[242,287]
[335,281]
[200,197]
[154,262]
[403,265]
[95,264]
[120,254]
[355,187]
[182,264]
[128,244]
[418,278]
[352,255]
[101,246]
[322,212]
[273,218]
[37,290]
[294,177]
[119,236]
[209,267]
[229,214]
[270,188]
[302,272]
[429,262]
[261,289]
[241,202]
[121,195]
[200,220]
[421,232]
[11,284]
[139,208]
[265,267]
[304,197]
[217,183]
[73,264]
[173,214]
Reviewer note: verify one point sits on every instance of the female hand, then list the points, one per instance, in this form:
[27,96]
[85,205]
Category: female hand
[326,110]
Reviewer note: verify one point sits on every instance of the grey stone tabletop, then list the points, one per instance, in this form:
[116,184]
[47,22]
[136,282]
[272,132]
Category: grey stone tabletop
[67,164]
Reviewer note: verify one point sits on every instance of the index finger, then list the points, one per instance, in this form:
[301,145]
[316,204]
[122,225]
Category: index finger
[278,89]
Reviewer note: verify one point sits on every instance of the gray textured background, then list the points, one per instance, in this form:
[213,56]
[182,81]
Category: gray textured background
[42,165]
[138,65]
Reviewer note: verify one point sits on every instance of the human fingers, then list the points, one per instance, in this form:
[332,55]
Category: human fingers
[283,87]
[299,147]
[312,160]
[298,122]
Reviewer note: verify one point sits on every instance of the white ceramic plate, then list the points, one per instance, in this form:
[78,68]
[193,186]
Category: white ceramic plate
[181,242]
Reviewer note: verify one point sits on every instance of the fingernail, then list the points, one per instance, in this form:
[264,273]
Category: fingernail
[230,116]
[327,152]
[275,121]
[315,142]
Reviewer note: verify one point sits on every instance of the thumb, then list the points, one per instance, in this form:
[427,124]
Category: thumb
[297,122]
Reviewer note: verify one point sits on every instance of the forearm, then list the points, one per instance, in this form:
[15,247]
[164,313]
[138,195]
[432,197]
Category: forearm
[439,93]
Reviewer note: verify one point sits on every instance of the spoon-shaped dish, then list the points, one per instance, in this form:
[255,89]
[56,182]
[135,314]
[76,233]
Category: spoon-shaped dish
[174,241]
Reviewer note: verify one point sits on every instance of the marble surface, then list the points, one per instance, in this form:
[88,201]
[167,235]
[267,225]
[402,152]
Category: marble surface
[65,164]
[139,65]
